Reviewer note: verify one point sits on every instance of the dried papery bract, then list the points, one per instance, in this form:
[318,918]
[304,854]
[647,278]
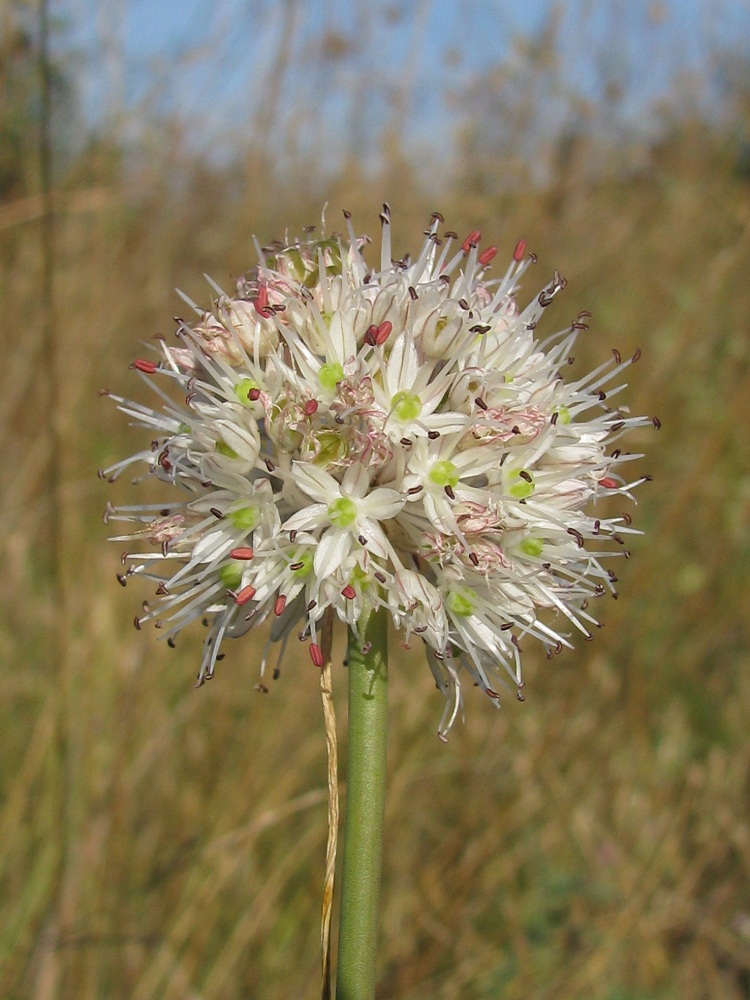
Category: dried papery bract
[337,435]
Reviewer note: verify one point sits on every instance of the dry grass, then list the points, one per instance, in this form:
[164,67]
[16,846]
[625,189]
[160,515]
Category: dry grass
[160,843]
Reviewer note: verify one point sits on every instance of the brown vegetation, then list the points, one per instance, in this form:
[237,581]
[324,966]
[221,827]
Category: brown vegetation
[160,843]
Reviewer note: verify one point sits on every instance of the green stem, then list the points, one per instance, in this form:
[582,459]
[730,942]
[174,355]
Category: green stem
[365,806]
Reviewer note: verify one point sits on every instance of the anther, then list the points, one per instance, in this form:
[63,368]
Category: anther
[656,422]
[293,535]
[472,240]
[269,465]
[487,255]
[449,492]
[316,655]
[413,293]
[122,579]
[245,595]
[279,605]
[216,513]
[383,332]
[349,592]
[310,407]
[148,367]
[608,483]
[617,355]
[253,395]
[433,435]
[519,251]
[261,303]
[242,552]
[636,356]
[577,535]
[413,490]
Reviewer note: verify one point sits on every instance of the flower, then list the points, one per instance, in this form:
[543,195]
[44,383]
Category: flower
[353,438]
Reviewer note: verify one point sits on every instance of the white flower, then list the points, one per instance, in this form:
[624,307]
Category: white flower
[351,438]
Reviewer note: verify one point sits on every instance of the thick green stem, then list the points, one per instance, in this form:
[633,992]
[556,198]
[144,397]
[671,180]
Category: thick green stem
[365,806]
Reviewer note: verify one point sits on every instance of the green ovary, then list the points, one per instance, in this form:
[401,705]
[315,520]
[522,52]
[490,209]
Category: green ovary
[231,575]
[563,415]
[406,407]
[342,512]
[306,559]
[242,390]
[444,474]
[461,602]
[329,375]
[295,264]
[521,488]
[532,546]
[332,448]
[224,449]
[245,518]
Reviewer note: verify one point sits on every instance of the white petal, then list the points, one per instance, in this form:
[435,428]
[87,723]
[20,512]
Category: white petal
[319,485]
[332,549]
[381,504]
[403,364]
[309,517]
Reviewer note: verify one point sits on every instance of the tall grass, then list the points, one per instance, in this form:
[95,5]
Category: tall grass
[592,843]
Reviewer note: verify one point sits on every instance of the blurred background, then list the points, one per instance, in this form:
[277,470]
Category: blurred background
[160,843]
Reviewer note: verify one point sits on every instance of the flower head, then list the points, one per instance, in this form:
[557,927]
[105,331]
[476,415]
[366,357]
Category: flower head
[344,437]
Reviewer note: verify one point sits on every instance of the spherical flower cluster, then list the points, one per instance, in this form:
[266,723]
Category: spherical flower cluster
[350,438]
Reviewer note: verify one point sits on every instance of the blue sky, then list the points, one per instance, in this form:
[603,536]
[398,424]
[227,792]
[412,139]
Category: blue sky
[228,65]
